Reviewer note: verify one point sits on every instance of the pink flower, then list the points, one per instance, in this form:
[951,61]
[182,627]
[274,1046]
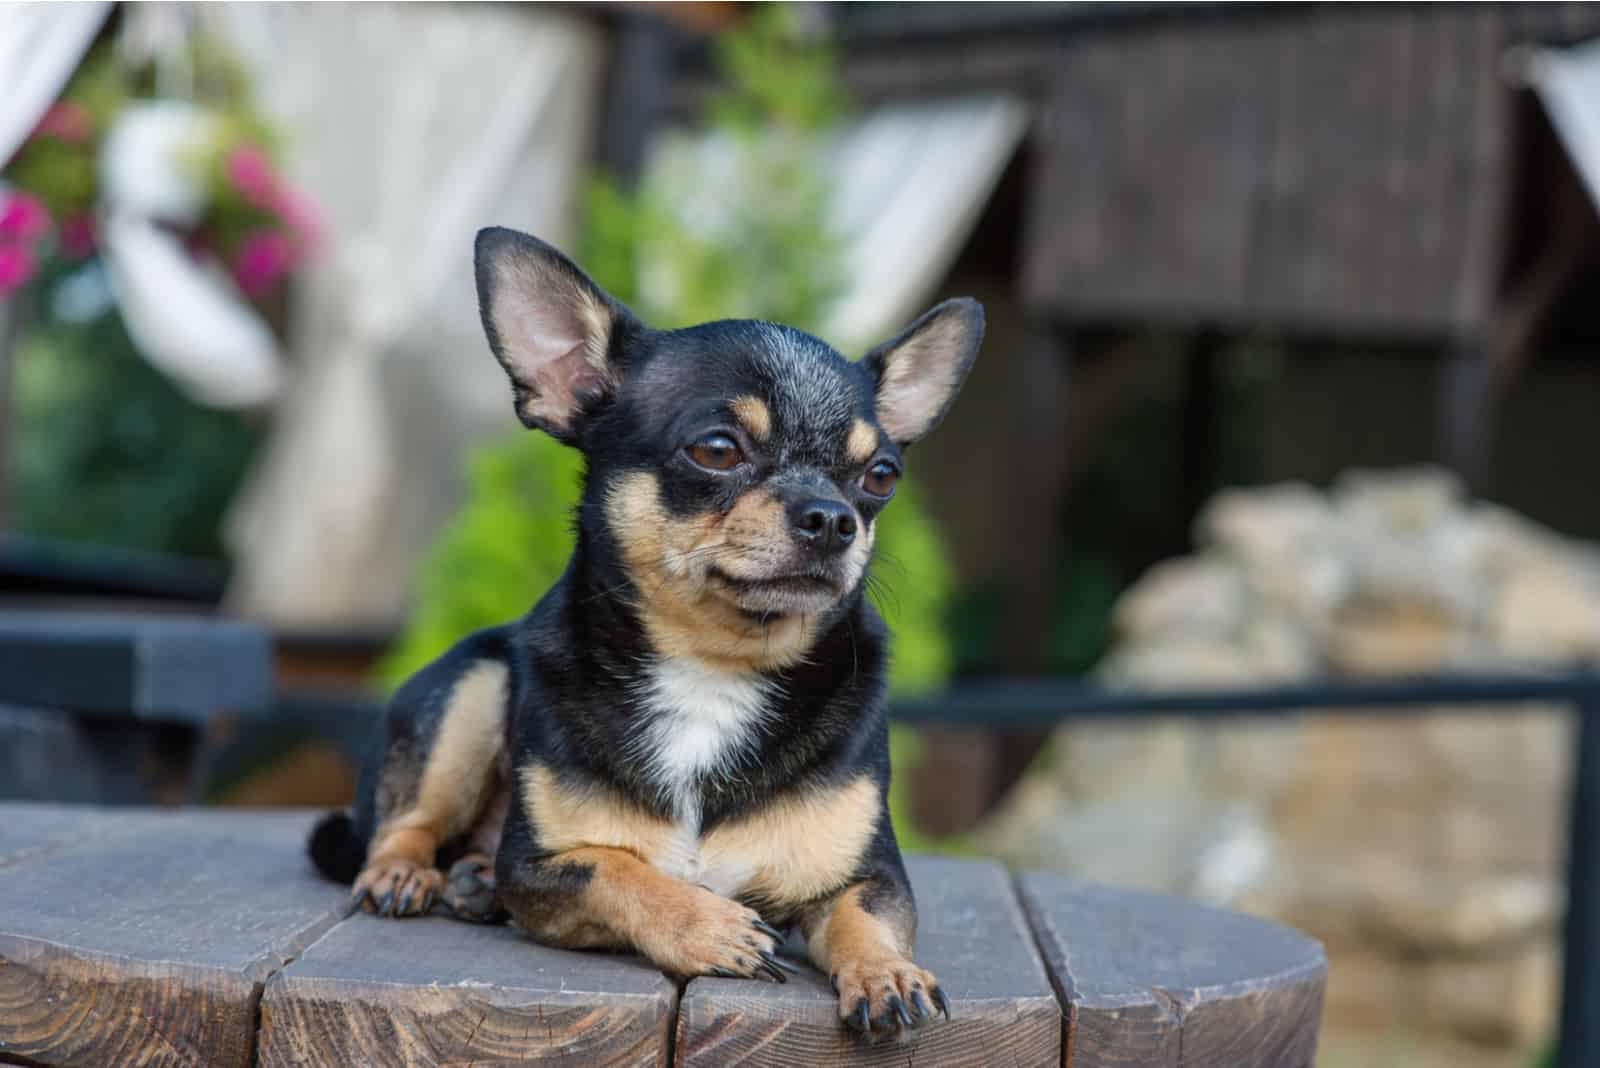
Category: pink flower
[250,172]
[263,259]
[67,121]
[16,267]
[300,214]
[77,236]
[23,218]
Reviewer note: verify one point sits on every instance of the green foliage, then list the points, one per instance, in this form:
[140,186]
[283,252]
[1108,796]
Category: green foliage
[507,545]
[735,229]
[107,451]
[760,250]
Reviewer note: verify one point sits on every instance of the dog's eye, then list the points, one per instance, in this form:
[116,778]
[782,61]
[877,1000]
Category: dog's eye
[716,452]
[880,479]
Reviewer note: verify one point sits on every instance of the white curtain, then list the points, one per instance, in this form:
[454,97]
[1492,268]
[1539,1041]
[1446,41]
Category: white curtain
[412,126]
[907,184]
[40,46]
[1568,83]
[910,182]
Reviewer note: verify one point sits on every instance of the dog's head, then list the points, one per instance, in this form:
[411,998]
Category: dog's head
[738,468]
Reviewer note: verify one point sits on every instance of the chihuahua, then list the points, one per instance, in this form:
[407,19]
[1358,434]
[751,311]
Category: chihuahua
[682,749]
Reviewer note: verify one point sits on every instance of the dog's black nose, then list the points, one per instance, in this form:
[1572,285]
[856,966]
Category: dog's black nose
[826,526]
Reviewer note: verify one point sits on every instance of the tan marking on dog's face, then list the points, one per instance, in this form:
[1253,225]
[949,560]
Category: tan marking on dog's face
[781,856]
[566,818]
[458,773]
[670,561]
[754,415]
[862,442]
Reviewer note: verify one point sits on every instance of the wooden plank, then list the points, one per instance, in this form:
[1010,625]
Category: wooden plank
[174,668]
[147,941]
[1161,983]
[971,935]
[436,991]
[29,830]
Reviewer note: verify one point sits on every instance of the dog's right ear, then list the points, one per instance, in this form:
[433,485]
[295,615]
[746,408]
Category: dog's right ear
[550,327]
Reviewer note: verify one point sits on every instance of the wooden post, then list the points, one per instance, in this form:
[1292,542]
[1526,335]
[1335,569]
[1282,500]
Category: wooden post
[964,772]
[635,97]
[1580,988]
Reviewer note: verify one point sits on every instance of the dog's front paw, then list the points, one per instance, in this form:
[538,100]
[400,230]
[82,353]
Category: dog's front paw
[718,937]
[887,996]
[395,886]
[469,890]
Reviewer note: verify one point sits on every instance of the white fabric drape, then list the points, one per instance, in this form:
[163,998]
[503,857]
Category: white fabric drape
[40,46]
[412,126]
[1568,83]
[910,182]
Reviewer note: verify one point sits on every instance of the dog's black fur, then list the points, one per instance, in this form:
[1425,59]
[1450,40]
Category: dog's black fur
[706,681]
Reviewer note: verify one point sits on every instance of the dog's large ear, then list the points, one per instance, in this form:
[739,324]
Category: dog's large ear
[919,373]
[550,327]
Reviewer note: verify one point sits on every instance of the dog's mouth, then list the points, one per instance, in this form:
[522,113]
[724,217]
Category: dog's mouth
[770,595]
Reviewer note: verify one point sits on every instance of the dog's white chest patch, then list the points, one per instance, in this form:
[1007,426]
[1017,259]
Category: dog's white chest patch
[704,718]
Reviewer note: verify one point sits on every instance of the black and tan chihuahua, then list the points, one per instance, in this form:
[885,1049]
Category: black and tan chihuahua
[682,749]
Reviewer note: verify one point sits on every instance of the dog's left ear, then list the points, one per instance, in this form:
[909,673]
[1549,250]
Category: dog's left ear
[919,373]
[551,328]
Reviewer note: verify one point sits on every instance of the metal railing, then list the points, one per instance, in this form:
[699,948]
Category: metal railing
[1022,703]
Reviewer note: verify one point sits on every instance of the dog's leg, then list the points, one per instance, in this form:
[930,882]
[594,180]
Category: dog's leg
[602,898]
[438,776]
[861,939]
[469,888]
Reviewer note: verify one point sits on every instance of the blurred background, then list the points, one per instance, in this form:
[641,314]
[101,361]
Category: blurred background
[1290,376]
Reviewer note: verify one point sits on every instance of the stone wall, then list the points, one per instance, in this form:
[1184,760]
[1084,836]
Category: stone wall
[1425,850]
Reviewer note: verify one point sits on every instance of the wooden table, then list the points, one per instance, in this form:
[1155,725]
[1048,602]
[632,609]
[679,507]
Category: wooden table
[202,937]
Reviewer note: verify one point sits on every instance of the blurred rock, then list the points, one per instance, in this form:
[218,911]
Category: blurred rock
[1426,849]
[1183,595]
[1545,613]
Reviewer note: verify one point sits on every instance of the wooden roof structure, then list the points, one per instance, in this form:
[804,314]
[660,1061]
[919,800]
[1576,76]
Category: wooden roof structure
[1332,169]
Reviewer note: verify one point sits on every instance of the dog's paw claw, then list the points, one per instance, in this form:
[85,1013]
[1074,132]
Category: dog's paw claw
[887,997]
[396,888]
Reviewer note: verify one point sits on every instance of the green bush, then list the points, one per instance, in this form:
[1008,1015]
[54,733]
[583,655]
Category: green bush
[107,451]
[772,257]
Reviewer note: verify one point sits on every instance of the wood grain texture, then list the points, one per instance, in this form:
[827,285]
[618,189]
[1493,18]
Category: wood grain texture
[144,937]
[971,935]
[433,991]
[1330,170]
[1155,982]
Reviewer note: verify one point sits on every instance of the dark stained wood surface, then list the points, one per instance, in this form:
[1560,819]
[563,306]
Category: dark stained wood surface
[971,935]
[203,938]
[1153,982]
[1332,168]
[435,991]
[145,938]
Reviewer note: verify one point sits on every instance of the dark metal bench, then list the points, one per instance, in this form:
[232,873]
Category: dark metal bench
[110,708]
